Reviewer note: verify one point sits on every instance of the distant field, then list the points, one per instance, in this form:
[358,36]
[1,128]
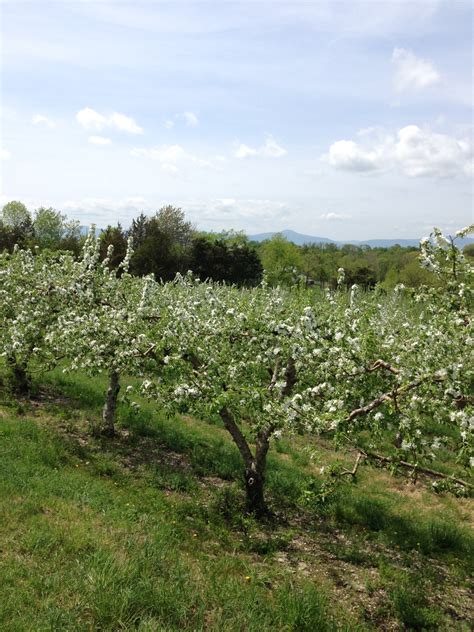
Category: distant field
[145,531]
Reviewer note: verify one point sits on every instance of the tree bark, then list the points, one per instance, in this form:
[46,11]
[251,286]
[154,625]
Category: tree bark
[19,378]
[109,411]
[254,466]
[254,483]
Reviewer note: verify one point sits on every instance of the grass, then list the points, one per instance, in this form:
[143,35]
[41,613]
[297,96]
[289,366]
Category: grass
[146,531]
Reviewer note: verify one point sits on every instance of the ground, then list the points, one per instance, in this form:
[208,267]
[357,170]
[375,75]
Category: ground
[147,530]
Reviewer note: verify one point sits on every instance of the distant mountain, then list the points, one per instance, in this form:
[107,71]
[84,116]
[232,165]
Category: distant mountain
[383,243]
[291,235]
[299,239]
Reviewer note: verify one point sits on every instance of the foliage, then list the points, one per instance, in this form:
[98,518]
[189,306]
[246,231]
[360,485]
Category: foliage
[33,290]
[281,260]
[265,360]
[233,262]
[166,243]
[16,215]
[48,226]
[154,253]
[16,226]
[116,237]
[106,321]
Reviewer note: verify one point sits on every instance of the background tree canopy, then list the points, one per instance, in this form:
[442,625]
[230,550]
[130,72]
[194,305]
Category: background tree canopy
[166,243]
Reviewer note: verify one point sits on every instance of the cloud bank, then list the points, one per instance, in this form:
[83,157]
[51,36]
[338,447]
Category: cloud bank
[413,151]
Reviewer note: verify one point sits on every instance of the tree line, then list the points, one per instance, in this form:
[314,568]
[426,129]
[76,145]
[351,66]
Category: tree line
[163,245]
[166,244]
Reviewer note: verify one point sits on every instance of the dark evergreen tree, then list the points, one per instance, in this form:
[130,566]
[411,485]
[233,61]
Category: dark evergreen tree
[138,230]
[236,263]
[115,236]
[154,254]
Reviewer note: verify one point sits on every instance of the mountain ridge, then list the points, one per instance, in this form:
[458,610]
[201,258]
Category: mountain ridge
[300,239]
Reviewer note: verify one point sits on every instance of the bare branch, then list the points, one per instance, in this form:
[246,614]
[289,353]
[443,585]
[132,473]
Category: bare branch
[414,466]
[353,472]
[381,364]
[271,386]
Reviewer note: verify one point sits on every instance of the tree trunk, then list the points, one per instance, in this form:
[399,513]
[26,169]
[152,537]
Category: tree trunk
[254,467]
[19,380]
[110,407]
[254,483]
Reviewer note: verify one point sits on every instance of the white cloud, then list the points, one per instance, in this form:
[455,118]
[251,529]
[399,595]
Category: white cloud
[4,154]
[255,215]
[124,123]
[411,72]
[335,217]
[425,153]
[170,156]
[413,151]
[91,120]
[191,119]
[346,154]
[99,140]
[40,119]
[270,149]
[244,151]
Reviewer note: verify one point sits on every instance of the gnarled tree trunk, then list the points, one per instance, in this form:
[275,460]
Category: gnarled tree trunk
[109,411]
[19,380]
[255,466]
[254,485]
[254,472]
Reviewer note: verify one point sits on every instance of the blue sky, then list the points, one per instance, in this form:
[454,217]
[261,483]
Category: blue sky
[344,119]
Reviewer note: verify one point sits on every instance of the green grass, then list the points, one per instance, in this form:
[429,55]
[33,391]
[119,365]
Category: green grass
[147,532]
[84,546]
[427,534]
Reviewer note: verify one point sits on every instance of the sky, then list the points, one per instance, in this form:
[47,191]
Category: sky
[348,120]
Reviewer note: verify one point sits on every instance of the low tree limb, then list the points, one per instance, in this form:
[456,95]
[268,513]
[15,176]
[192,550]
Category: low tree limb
[237,436]
[391,395]
[380,364]
[414,466]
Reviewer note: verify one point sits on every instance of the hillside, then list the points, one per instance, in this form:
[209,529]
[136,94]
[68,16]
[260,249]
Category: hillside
[145,531]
